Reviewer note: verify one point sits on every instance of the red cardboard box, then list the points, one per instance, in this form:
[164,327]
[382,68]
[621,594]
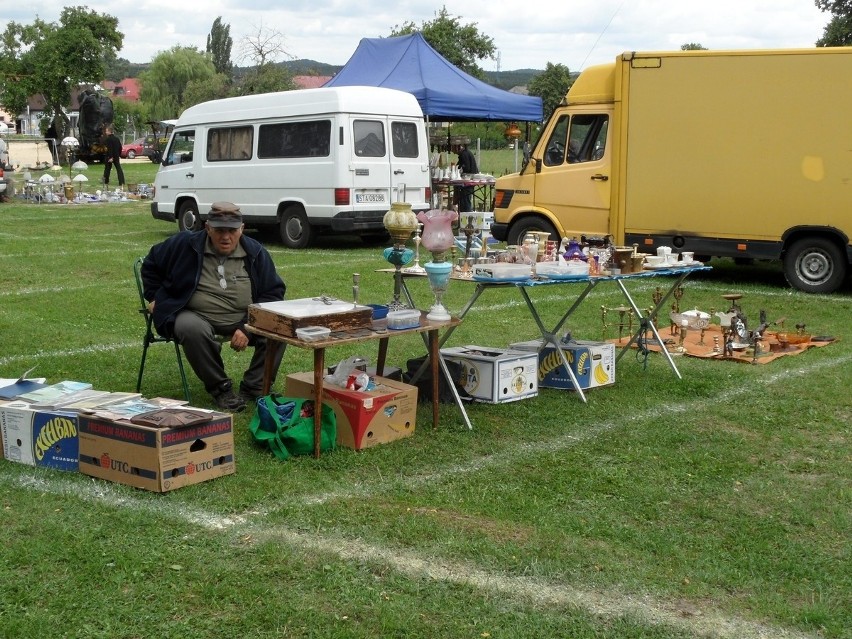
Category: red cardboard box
[156,459]
[364,419]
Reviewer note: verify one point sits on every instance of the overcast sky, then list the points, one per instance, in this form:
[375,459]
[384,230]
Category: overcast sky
[575,33]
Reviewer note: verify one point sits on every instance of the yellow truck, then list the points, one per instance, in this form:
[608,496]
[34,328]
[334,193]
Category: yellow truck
[742,154]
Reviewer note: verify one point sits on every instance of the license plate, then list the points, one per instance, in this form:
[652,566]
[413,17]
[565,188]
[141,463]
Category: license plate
[366,198]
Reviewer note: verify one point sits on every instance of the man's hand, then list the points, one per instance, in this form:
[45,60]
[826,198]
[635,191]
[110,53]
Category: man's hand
[151,306]
[239,340]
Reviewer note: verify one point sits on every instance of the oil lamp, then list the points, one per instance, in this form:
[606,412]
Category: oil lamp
[438,238]
[400,222]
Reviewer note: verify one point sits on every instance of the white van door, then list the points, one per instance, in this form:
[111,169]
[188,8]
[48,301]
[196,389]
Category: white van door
[370,163]
[389,161]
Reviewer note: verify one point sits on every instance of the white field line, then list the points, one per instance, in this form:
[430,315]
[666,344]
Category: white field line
[611,604]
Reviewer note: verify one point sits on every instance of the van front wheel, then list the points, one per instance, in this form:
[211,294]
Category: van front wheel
[188,218]
[296,232]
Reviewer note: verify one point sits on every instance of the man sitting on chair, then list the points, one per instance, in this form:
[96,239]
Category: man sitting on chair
[199,285]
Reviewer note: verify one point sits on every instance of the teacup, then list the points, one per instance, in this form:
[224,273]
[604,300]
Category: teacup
[671,258]
[687,257]
[655,260]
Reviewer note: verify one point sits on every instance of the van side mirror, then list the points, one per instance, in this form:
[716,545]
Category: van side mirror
[538,165]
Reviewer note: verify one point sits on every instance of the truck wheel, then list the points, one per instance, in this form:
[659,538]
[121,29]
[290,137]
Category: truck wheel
[296,232]
[188,218]
[815,265]
[519,229]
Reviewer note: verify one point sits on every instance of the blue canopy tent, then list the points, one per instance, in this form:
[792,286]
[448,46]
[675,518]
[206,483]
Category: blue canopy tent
[445,92]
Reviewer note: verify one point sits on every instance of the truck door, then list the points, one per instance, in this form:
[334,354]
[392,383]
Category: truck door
[573,182]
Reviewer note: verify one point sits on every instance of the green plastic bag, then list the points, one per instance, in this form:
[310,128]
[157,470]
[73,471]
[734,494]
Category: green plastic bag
[286,426]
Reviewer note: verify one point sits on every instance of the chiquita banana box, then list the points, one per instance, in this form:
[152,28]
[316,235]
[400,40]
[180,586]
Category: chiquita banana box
[593,363]
[39,438]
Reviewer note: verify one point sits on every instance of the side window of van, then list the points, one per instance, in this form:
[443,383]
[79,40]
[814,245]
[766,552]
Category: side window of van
[295,140]
[181,148]
[369,138]
[404,139]
[230,143]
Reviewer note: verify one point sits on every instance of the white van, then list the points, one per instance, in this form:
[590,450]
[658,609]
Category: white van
[308,161]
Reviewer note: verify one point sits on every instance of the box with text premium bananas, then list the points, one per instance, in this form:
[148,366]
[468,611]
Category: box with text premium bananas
[155,458]
[364,418]
[39,438]
[593,363]
[495,375]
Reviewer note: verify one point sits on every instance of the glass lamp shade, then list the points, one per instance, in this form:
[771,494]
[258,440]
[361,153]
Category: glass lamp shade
[438,231]
[400,222]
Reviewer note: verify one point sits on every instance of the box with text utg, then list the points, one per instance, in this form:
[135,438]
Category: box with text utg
[156,459]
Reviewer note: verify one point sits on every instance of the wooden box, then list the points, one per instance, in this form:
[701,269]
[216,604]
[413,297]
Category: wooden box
[284,317]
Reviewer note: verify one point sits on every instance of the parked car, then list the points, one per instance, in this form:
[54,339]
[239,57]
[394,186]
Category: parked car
[137,147]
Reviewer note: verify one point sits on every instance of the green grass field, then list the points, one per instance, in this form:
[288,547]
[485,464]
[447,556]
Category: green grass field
[713,506]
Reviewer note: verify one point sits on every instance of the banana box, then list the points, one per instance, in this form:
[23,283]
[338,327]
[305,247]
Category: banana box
[593,363]
[46,438]
[495,375]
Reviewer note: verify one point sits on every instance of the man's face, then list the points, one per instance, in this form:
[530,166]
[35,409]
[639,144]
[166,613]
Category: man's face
[224,240]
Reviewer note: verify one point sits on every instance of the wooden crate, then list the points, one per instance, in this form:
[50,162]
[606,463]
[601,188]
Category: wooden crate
[283,318]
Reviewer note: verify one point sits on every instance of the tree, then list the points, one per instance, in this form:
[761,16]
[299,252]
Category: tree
[197,91]
[462,45]
[166,80]
[264,45]
[551,85]
[219,44]
[263,48]
[692,46]
[54,59]
[267,78]
[838,32]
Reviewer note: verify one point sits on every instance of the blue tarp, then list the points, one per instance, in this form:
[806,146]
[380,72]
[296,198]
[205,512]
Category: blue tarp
[445,92]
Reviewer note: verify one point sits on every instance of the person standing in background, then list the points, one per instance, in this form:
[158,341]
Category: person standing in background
[467,166]
[113,157]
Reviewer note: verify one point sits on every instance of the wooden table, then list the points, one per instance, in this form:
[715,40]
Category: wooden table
[380,332]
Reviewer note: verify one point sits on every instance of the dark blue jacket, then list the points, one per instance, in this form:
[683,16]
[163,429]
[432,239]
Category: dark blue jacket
[172,269]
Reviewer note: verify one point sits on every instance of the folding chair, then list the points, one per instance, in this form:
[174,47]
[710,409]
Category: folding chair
[151,336]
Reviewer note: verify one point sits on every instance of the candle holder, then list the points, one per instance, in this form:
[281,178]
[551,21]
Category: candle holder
[438,239]
[417,269]
[400,222]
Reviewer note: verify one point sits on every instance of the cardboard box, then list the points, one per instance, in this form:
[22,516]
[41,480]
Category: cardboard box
[156,459]
[494,375]
[39,438]
[593,363]
[364,419]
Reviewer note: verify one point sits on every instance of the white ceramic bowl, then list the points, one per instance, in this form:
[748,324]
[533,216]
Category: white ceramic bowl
[655,260]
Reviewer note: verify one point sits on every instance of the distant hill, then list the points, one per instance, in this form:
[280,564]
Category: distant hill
[500,79]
